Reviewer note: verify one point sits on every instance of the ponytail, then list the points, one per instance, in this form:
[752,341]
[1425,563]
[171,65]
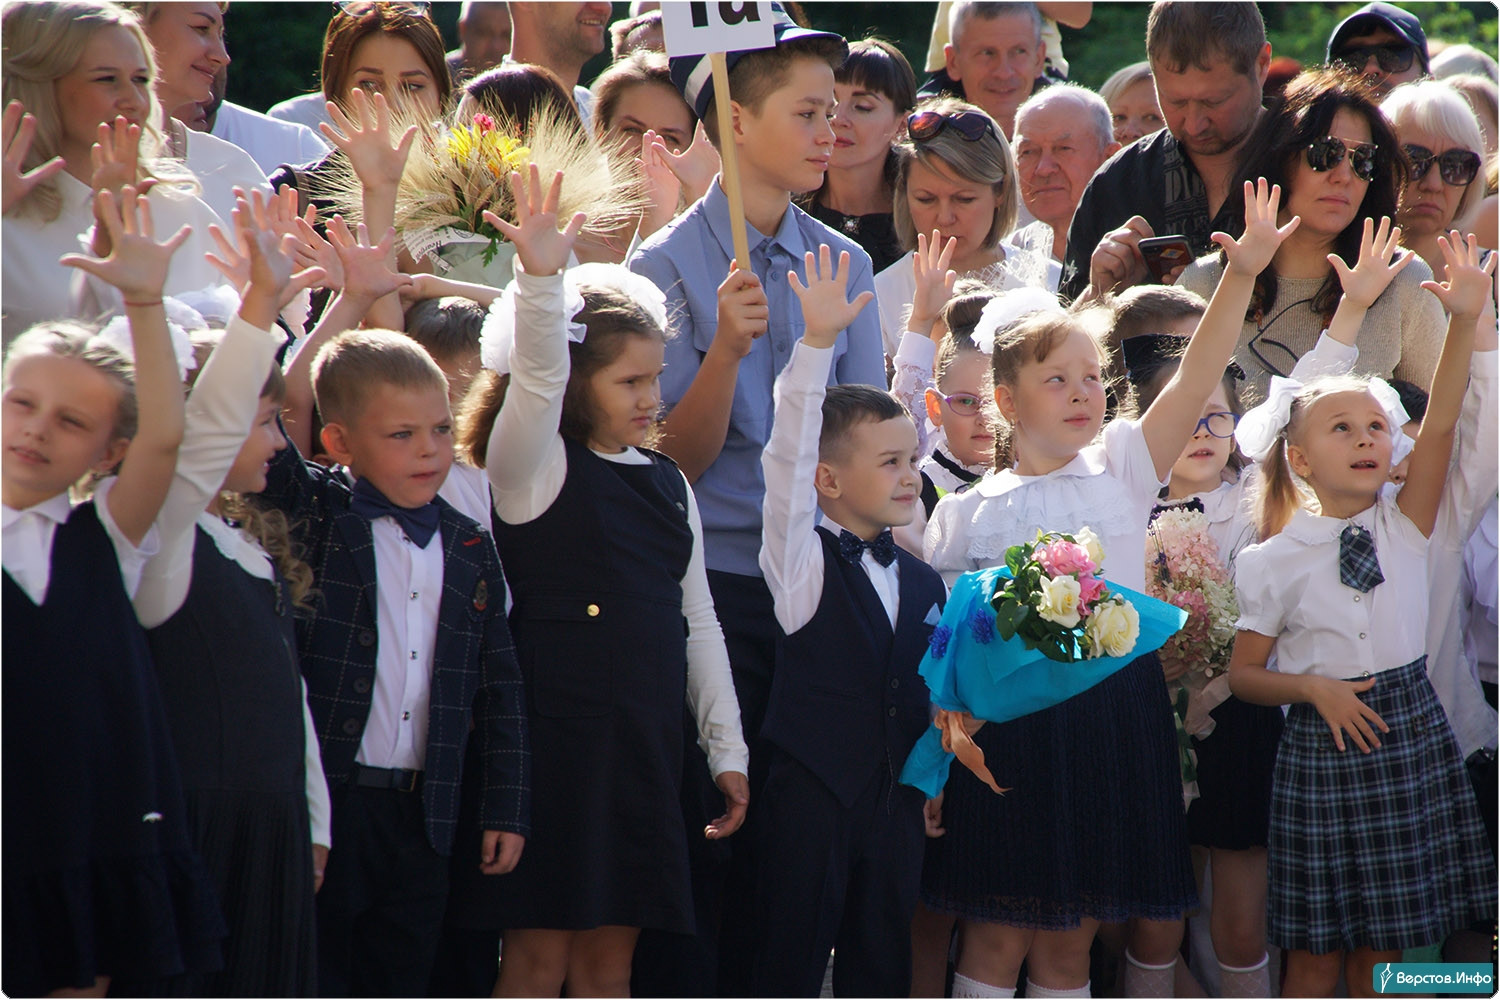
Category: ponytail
[1278,497]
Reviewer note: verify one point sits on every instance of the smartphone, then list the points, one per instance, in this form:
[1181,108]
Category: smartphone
[1163,253]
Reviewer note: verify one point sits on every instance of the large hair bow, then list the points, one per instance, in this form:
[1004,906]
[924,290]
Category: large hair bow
[1261,427]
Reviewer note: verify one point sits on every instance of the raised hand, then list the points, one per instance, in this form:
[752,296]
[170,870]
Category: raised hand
[1375,270]
[260,262]
[315,251]
[662,186]
[1468,286]
[742,315]
[1250,254]
[115,162]
[540,246]
[826,308]
[934,281]
[17,131]
[695,166]
[366,139]
[366,266]
[137,263]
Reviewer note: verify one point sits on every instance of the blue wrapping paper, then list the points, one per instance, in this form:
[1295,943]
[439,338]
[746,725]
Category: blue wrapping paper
[969,668]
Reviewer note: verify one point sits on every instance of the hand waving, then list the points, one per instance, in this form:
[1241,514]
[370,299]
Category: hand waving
[366,266]
[137,263]
[540,246]
[366,139]
[695,166]
[1250,254]
[19,129]
[826,309]
[1374,270]
[1469,285]
[934,281]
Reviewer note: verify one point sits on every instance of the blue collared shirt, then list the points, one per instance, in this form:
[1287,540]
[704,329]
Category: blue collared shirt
[689,260]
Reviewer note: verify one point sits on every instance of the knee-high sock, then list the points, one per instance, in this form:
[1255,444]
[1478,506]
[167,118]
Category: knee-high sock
[1251,981]
[963,986]
[1142,980]
[1033,990]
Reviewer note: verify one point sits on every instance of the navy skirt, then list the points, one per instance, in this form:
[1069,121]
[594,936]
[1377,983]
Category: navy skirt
[1235,761]
[1384,850]
[1092,826]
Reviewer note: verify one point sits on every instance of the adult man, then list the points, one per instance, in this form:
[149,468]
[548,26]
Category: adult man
[1063,134]
[483,39]
[1209,61]
[1383,42]
[995,58]
[561,37]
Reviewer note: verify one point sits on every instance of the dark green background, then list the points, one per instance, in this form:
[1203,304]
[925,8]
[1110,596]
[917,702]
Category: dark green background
[277,46]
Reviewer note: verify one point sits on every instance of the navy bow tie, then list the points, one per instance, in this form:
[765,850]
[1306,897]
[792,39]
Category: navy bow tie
[882,547]
[419,523]
[1358,566]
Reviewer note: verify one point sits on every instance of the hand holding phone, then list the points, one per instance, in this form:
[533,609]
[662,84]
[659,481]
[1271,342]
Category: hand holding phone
[1162,254]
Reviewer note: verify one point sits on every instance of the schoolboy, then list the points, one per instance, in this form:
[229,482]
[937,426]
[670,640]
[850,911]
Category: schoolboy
[847,703]
[407,651]
[733,335]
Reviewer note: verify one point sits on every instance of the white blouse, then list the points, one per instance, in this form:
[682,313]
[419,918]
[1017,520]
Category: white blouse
[220,167]
[1110,487]
[26,542]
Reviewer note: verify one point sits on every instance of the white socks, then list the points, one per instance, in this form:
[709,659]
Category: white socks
[1033,990]
[1142,980]
[963,986]
[1251,981]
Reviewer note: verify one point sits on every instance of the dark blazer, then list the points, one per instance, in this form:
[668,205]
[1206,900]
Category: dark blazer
[475,678]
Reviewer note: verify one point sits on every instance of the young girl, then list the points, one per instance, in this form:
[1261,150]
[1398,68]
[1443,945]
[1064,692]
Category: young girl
[1093,829]
[957,406]
[100,879]
[613,620]
[1384,850]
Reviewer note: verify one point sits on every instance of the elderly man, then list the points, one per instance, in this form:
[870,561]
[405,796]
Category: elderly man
[1063,134]
[995,58]
[483,39]
[1384,43]
[561,37]
[1209,61]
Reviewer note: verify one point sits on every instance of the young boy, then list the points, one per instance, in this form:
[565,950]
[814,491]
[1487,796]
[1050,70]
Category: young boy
[847,703]
[409,649]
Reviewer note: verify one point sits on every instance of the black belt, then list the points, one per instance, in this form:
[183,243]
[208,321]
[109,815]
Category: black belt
[393,779]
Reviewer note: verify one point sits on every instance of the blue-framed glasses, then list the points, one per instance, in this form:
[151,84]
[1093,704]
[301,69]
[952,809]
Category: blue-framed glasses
[1219,425]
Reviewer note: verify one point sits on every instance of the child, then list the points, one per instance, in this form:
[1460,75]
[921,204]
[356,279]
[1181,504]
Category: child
[219,611]
[731,344]
[845,837]
[100,877]
[613,615]
[1077,848]
[1382,851]
[407,652]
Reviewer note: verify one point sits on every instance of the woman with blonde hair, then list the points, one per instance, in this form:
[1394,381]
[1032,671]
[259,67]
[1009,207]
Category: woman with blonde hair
[1130,93]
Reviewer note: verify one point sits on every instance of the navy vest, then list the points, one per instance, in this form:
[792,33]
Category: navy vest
[847,701]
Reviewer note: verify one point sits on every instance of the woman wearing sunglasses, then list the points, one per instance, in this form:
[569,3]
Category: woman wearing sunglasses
[958,178]
[1338,163]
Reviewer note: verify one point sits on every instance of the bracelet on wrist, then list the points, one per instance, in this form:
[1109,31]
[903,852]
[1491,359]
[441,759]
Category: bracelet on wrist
[143,305]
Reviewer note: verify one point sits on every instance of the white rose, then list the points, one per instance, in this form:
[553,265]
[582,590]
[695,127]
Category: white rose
[1058,601]
[1112,629]
[1085,536]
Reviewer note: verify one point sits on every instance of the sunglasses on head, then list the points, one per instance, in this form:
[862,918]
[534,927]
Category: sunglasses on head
[359,8]
[1391,57]
[972,125]
[1329,151]
[1457,166]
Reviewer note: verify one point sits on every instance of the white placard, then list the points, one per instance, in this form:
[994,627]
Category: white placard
[695,27]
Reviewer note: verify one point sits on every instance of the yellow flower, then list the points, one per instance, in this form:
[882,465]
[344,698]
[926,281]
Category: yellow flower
[1112,629]
[1085,536]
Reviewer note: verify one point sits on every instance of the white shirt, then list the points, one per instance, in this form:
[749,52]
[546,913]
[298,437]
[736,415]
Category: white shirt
[1109,487]
[791,553]
[220,167]
[1482,581]
[1036,238]
[408,592]
[36,287]
[26,542]
[269,141]
[896,285]
[309,110]
[527,466]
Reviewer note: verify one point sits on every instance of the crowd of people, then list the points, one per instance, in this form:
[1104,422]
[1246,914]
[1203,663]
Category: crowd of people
[558,612]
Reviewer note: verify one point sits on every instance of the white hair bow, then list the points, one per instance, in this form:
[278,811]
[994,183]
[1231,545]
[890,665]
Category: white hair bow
[181,318]
[1002,311]
[1262,426]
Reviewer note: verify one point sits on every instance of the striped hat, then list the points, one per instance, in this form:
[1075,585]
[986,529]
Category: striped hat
[693,75]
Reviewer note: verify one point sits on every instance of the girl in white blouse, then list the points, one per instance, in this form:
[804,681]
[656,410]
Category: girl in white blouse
[1374,852]
[1064,861]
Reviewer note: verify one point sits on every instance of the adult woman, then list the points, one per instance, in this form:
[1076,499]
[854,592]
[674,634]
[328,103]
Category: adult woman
[1338,163]
[77,65]
[1444,147]
[1130,93]
[958,178]
[875,90]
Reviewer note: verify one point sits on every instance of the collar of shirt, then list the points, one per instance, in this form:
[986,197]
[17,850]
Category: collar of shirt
[55,509]
[787,238]
[1313,529]
[1088,462]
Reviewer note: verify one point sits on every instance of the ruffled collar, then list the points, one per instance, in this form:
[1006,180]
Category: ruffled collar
[1088,462]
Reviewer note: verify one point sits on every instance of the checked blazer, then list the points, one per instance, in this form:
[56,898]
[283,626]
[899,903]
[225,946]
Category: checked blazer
[475,677]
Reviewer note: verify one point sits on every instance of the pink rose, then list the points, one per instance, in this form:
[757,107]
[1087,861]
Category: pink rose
[1064,558]
[1089,588]
[484,123]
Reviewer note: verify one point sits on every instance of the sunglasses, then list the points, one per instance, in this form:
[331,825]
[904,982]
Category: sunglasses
[1391,57]
[359,8]
[1219,425]
[1328,152]
[1457,166]
[964,404]
[972,125]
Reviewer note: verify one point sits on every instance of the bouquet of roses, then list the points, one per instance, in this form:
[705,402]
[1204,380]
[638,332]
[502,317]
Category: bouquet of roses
[1022,637]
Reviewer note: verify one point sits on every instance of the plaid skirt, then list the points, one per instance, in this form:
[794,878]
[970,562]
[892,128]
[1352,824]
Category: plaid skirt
[1384,850]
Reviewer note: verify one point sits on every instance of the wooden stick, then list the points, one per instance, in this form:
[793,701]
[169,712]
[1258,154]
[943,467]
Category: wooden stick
[730,172]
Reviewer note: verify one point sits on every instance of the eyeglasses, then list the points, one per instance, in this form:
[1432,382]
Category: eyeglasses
[1219,425]
[972,125]
[1457,166]
[1392,57]
[964,404]
[1329,151]
[359,8]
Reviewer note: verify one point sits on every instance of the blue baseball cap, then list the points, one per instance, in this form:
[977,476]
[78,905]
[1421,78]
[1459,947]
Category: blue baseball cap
[1402,23]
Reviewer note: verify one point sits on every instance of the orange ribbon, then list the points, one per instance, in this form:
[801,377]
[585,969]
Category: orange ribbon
[957,741]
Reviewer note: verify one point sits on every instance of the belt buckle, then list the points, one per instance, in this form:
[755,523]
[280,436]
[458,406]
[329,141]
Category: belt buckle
[410,781]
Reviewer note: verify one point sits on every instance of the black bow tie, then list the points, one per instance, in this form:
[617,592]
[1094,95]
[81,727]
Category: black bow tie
[882,547]
[419,523]
[1192,503]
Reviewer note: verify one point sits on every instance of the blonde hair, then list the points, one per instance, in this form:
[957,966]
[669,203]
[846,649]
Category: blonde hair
[79,342]
[1435,107]
[987,160]
[1123,79]
[1281,493]
[42,42]
[1031,338]
[353,364]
